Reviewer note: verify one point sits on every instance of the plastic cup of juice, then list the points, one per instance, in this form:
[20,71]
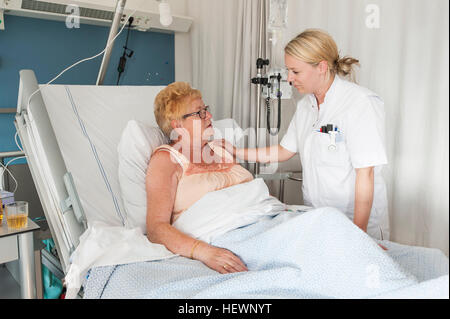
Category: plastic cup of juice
[1,212]
[17,215]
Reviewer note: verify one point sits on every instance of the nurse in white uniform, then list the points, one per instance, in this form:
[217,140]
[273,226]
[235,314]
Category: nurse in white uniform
[338,130]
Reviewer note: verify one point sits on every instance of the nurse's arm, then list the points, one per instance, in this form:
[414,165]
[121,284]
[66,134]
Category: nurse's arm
[364,187]
[270,154]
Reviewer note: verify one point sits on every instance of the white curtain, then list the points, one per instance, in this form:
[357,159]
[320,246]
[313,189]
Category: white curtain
[224,40]
[403,49]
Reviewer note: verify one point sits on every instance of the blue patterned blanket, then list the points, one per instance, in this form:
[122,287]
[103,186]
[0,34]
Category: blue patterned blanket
[315,254]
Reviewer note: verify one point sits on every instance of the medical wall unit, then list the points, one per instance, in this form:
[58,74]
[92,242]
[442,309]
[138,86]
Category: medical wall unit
[91,13]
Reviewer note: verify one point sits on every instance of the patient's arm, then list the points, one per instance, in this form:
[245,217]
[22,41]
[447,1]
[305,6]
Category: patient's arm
[161,185]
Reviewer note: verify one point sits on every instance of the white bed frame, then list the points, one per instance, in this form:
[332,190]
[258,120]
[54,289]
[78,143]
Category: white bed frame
[53,182]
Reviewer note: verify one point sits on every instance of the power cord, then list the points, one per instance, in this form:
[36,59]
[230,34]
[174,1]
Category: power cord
[123,59]
[87,59]
[5,167]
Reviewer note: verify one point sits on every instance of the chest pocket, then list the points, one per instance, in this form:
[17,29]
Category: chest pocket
[329,156]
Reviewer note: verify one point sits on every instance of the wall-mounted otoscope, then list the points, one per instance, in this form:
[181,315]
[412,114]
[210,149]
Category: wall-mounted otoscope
[274,87]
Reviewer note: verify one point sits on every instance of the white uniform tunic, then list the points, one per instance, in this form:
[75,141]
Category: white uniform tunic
[329,174]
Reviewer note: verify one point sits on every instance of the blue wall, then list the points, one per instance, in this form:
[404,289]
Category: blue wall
[48,47]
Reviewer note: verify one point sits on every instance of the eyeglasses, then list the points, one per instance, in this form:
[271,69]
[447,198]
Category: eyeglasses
[201,113]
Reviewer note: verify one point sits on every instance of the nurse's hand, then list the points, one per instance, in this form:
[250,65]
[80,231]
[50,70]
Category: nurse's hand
[219,259]
[226,145]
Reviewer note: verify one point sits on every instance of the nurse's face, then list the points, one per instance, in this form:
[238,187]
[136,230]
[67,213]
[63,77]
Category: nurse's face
[305,77]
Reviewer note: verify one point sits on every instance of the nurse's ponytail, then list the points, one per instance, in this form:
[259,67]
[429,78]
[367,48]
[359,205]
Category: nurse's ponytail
[344,67]
[314,45]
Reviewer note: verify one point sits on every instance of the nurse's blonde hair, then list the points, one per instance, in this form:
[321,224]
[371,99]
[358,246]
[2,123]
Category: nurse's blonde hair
[171,104]
[314,45]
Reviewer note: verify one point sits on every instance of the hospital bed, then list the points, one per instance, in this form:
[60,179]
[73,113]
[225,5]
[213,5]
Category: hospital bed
[70,135]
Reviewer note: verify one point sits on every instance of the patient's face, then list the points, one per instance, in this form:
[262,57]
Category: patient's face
[199,129]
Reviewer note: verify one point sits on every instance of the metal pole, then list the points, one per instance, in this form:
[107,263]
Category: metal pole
[281,194]
[11,154]
[26,266]
[112,33]
[261,25]
[258,115]
[259,75]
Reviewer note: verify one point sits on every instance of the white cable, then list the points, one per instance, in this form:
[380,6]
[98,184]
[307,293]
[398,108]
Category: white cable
[5,167]
[17,143]
[87,59]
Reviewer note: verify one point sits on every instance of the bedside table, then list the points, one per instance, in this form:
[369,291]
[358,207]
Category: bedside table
[18,244]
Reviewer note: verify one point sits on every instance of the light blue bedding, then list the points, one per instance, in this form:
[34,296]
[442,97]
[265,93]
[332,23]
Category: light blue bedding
[316,254]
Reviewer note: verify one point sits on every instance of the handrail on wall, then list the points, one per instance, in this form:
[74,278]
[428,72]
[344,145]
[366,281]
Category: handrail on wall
[11,154]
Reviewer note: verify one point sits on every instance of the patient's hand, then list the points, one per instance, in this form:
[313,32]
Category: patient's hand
[219,259]
[384,248]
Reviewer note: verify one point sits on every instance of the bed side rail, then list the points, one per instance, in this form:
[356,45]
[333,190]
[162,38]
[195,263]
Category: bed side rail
[54,185]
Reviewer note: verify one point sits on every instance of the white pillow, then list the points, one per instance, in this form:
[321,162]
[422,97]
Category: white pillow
[135,149]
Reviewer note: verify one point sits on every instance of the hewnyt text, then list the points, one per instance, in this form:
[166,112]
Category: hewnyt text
[246,308]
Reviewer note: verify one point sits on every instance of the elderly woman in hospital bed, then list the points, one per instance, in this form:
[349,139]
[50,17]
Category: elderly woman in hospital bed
[182,172]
